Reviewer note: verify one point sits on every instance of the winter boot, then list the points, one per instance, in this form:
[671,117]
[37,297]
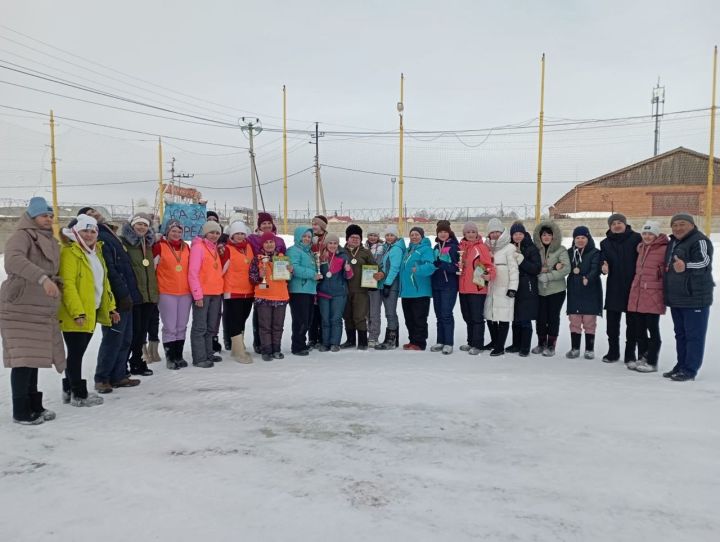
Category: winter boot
[37,406]
[542,341]
[613,354]
[500,338]
[574,352]
[514,348]
[216,346]
[170,356]
[493,329]
[145,354]
[362,340]
[589,346]
[391,340]
[447,349]
[81,397]
[525,340]
[154,351]
[140,368]
[630,350]
[23,414]
[238,351]
[351,338]
[549,350]
[180,361]
[65,391]
[464,348]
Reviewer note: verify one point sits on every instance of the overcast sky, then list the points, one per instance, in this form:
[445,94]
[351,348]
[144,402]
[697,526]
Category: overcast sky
[468,65]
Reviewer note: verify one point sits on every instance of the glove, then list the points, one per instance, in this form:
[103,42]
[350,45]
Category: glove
[543,277]
[386,291]
[511,293]
[125,304]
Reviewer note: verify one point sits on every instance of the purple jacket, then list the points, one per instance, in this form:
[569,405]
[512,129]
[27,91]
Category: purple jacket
[256,244]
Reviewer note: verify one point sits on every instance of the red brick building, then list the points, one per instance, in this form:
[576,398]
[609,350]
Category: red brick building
[663,185]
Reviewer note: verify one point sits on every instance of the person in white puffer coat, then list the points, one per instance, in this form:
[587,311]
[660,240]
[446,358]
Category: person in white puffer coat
[500,301]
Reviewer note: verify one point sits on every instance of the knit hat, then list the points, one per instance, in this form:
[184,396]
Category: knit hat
[266,236]
[85,222]
[470,226]
[265,217]
[494,224]
[38,206]
[238,227]
[322,219]
[651,226]
[330,237]
[84,210]
[617,216]
[353,229]
[212,214]
[173,223]
[419,230]
[443,225]
[140,219]
[581,230]
[517,227]
[81,223]
[210,226]
[682,216]
[391,230]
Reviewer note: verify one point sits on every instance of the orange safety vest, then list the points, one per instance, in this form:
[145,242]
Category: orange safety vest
[211,275]
[172,270]
[237,274]
[277,290]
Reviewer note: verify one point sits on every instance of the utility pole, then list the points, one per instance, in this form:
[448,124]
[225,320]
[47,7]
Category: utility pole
[252,127]
[393,180]
[53,166]
[400,110]
[177,176]
[319,193]
[658,99]
[541,124]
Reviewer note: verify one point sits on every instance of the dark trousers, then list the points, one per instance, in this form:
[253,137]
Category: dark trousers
[356,311]
[416,311]
[235,314]
[548,320]
[154,324]
[142,316]
[472,307]
[114,350]
[690,331]
[315,331]
[301,312]
[444,303]
[647,334]
[270,323]
[23,382]
[498,334]
[76,343]
[613,334]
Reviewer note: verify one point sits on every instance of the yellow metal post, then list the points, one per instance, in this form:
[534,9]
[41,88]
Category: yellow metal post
[711,157]
[285,176]
[53,169]
[401,108]
[538,190]
[161,188]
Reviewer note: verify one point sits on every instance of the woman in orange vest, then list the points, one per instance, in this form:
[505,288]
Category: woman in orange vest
[271,298]
[206,286]
[172,263]
[239,292]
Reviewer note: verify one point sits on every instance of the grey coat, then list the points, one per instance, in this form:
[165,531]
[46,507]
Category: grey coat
[551,280]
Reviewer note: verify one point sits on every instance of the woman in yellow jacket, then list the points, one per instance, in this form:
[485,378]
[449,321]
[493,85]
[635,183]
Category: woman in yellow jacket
[86,301]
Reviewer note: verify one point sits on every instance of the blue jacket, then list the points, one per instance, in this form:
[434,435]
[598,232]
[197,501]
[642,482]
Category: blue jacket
[120,272]
[336,285]
[391,262]
[421,258]
[303,262]
[445,276]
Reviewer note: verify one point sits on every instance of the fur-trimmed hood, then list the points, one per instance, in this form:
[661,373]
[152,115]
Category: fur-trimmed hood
[557,235]
[133,239]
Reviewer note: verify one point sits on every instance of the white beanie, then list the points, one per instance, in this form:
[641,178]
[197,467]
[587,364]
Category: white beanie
[237,227]
[494,224]
[392,230]
[210,226]
[651,226]
[85,222]
[139,219]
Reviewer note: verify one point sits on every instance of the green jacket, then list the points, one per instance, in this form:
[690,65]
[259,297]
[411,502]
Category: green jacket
[552,281]
[78,292]
[363,257]
[145,275]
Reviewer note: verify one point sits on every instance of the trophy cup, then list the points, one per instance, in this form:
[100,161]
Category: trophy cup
[317,262]
[264,260]
[461,262]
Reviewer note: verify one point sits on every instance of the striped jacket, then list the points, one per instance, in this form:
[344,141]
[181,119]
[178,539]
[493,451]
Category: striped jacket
[693,288]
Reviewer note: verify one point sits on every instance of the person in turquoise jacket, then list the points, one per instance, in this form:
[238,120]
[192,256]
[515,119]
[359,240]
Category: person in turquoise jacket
[418,265]
[388,278]
[302,288]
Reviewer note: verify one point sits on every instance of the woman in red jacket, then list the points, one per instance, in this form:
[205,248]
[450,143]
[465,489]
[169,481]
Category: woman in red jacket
[646,296]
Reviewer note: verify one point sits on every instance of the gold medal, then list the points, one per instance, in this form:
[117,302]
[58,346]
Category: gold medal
[178,268]
[145,262]
[576,270]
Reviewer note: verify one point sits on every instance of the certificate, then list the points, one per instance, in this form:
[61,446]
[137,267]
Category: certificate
[367,280]
[280,268]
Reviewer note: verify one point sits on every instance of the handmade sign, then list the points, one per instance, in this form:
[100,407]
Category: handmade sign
[190,215]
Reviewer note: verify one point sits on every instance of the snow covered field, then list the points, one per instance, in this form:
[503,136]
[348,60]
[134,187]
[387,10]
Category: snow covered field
[375,446]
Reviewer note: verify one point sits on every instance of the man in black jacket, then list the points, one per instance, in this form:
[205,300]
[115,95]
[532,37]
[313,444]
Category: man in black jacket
[618,257]
[688,286]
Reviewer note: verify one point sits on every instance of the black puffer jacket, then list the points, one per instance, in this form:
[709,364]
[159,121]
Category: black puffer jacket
[693,288]
[619,250]
[120,272]
[583,299]
[526,298]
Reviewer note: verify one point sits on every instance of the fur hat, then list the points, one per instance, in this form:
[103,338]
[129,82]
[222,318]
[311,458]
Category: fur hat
[617,216]
[494,224]
[682,216]
[210,226]
[237,227]
[353,229]
[172,223]
[419,230]
[581,231]
[39,206]
[651,226]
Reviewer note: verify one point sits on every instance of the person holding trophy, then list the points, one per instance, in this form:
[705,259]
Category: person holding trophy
[270,271]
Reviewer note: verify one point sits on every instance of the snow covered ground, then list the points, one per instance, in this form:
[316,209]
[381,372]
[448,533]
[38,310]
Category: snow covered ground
[375,446]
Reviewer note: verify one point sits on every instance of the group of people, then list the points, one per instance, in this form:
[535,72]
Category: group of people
[131,278]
